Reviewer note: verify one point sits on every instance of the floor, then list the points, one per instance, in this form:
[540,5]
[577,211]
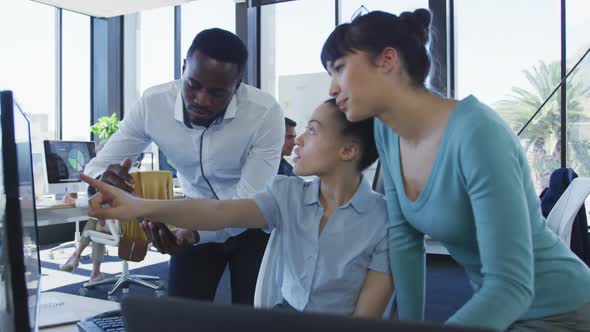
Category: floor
[447,286]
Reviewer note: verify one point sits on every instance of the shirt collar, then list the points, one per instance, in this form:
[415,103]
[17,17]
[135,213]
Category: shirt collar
[230,112]
[359,201]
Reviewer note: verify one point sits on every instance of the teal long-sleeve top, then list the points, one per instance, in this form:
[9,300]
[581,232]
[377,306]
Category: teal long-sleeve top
[479,202]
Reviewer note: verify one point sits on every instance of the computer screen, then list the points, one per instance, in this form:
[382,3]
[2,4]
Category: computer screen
[19,252]
[65,160]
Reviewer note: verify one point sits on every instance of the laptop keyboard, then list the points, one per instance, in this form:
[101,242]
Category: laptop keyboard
[106,324]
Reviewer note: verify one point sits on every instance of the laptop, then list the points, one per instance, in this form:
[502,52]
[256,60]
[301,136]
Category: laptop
[145,314]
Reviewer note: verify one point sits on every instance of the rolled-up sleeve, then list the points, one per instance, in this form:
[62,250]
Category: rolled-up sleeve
[380,259]
[268,201]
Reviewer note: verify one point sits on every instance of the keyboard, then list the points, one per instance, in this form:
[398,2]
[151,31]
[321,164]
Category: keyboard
[102,324]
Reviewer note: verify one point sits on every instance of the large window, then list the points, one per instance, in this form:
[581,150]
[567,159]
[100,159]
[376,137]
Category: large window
[293,34]
[578,87]
[156,47]
[509,59]
[28,68]
[205,14]
[75,76]
[28,62]
[351,7]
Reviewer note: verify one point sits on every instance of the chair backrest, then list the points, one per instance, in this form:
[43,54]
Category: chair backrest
[561,217]
[149,185]
[112,238]
[268,291]
[378,179]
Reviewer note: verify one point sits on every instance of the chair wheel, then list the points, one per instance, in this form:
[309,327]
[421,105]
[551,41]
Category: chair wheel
[159,283]
[160,293]
[83,291]
[113,298]
[51,256]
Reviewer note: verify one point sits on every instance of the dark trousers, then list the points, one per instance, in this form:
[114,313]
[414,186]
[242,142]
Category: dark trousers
[195,274]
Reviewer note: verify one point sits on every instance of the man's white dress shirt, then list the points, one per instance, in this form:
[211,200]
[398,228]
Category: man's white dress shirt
[241,151]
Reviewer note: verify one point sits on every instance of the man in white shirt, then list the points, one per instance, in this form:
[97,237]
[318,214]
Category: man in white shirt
[225,139]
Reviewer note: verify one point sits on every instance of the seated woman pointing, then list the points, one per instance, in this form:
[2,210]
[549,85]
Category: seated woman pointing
[333,229]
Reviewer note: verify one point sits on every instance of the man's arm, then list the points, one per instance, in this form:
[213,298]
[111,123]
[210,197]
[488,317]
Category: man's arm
[263,160]
[128,142]
[374,295]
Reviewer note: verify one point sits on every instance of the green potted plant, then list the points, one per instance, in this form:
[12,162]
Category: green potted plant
[105,128]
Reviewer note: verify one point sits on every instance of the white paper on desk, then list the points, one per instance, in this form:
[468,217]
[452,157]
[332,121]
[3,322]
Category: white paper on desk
[53,312]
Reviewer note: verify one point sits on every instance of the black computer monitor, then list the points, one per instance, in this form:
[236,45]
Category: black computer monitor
[147,314]
[19,252]
[64,161]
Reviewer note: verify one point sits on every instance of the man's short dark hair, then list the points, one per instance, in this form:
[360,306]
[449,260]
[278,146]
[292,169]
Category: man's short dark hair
[220,45]
[290,123]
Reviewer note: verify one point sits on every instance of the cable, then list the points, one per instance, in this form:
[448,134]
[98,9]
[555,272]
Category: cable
[201,162]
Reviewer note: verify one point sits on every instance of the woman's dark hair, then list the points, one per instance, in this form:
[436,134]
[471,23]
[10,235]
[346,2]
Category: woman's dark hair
[408,33]
[362,131]
[220,45]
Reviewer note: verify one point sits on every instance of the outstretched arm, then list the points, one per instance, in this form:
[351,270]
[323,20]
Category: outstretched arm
[196,214]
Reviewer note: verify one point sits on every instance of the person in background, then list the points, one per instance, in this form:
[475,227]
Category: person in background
[454,170]
[284,167]
[98,249]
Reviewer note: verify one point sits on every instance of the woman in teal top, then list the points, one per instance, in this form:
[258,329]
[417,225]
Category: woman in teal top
[455,171]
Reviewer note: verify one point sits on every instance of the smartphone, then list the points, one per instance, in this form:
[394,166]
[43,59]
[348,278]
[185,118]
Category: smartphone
[166,230]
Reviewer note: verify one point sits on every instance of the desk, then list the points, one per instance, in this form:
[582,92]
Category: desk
[60,214]
[81,307]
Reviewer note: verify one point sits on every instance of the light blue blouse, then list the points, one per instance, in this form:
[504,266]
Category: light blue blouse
[325,272]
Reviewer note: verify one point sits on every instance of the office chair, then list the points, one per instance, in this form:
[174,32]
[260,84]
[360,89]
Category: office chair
[561,218]
[150,185]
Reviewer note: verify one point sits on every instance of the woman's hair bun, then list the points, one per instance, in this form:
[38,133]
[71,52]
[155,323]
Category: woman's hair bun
[418,23]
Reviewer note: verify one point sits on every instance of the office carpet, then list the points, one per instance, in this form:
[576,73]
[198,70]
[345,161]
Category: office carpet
[447,286]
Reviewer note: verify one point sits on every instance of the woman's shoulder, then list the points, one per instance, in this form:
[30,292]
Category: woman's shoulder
[474,121]
[472,115]
[376,206]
